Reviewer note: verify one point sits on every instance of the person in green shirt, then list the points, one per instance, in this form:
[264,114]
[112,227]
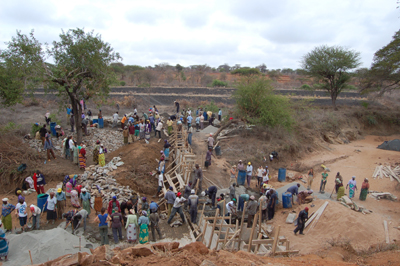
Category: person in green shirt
[323,182]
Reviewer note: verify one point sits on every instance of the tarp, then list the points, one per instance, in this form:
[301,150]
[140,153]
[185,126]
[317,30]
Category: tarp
[392,145]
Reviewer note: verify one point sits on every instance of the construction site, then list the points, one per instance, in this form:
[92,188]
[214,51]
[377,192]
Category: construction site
[338,232]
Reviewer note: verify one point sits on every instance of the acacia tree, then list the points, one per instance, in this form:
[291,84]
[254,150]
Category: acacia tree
[80,67]
[384,74]
[331,66]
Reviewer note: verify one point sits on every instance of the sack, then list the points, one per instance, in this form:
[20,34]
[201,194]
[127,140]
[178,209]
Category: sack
[37,136]
[206,164]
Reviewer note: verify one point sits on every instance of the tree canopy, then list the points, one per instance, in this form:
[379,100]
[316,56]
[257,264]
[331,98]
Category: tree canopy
[80,67]
[331,66]
[384,74]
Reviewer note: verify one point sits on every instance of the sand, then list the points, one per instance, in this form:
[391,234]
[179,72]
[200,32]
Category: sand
[44,245]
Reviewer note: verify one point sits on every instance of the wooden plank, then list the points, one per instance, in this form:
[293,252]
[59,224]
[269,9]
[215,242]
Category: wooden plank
[241,224]
[276,237]
[257,246]
[385,225]
[234,235]
[181,182]
[320,211]
[287,252]
[213,229]
[259,220]
[252,232]
[204,231]
[171,183]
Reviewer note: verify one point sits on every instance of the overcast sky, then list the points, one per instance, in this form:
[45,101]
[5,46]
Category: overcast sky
[275,32]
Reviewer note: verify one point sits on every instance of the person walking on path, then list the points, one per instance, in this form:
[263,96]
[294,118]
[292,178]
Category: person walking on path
[198,177]
[177,208]
[209,155]
[158,129]
[103,220]
[249,173]
[144,228]
[21,213]
[170,197]
[131,226]
[125,134]
[51,208]
[310,178]
[193,202]
[364,189]
[251,211]
[117,224]
[61,202]
[323,182]
[301,221]
[154,220]
[352,185]
[35,215]
[85,200]
[6,210]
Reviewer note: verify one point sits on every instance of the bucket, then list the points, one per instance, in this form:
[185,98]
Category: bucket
[53,128]
[95,121]
[41,201]
[101,122]
[218,150]
[241,177]
[287,200]
[282,175]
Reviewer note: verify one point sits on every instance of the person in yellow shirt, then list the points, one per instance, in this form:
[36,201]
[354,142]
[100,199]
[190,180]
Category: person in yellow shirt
[123,120]
[169,124]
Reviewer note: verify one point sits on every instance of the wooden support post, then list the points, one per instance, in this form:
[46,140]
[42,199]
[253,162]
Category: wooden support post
[258,245]
[241,224]
[202,212]
[259,219]
[276,236]
[213,229]
[287,245]
[252,232]
[385,225]
[234,235]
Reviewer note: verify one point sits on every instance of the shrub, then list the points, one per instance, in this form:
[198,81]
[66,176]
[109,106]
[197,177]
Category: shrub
[219,83]
[365,104]
[10,126]
[306,87]
[122,83]
[210,107]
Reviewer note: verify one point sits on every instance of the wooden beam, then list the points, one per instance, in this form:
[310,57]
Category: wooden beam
[213,229]
[171,183]
[276,237]
[320,211]
[180,180]
[287,252]
[252,231]
[241,223]
[385,225]
[230,240]
[259,220]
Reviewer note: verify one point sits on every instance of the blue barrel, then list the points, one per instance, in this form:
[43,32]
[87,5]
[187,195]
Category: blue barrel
[241,177]
[282,175]
[95,121]
[41,200]
[53,128]
[287,200]
[101,123]
[218,150]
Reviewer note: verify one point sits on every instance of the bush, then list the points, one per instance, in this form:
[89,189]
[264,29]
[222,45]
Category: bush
[122,83]
[306,87]
[219,83]
[10,126]
[210,107]
[257,103]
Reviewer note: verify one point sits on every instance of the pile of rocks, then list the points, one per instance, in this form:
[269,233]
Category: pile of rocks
[96,176]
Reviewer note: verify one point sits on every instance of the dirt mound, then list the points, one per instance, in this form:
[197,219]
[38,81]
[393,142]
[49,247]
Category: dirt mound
[139,160]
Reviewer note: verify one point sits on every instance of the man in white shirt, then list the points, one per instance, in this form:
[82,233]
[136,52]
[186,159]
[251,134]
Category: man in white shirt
[177,208]
[159,128]
[249,173]
[71,145]
[160,177]
[51,208]
[115,119]
[210,141]
[35,212]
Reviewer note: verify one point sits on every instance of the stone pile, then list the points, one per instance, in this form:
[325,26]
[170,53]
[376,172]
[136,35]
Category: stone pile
[103,178]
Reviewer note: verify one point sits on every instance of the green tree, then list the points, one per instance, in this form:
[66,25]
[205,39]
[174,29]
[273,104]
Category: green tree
[384,74]
[219,83]
[80,70]
[257,103]
[331,66]
[247,73]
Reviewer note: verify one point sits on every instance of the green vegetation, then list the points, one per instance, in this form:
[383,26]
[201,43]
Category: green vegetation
[10,126]
[210,107]
[257,103]
[122,83]
[35,128]
[219,83]
[331,67]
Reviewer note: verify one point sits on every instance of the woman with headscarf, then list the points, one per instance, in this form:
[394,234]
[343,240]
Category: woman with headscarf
[82,158]
[96,152]
[40,182]
[6,211]
[98,201]
[352,185]
[141,129]
[340,192]
[3,244]
[166,149]
[75,199]
[144,228]
[161,164]
[102,158]
[125,135]
[364,189]
[131,225]
[85,200]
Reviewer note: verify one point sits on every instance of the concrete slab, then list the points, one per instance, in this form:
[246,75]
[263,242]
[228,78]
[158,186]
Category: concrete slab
[209,129]
[290,218]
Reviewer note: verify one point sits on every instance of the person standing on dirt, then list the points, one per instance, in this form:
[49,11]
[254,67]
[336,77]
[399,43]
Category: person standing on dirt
[197,121]
[170,197]
[132,132]
[154,220]
[21,213]
[61,202]
[47,117]
[272,203]
[116,224]
[112,205]
[35,215]
[71,148]
[209,154]
[323,182]
[232,191]
[201,121]
[364,189]
[233,173]
[169,125]
[193,202]
[210,141]
[251,211]
[177,208]
[352,185]
[48,147]
[310,178]
[263,203]
[40,181]
[158,129]
[103,220]
[125,134]
[198,177]
[219,114]
[205,114]
[189,121]
[177,107]
[6,211]
[115,119]
[85,200]
[190,134]
[68,114]
[123,120]
[51,208]
[85,123]
[301,221]
[249,173]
